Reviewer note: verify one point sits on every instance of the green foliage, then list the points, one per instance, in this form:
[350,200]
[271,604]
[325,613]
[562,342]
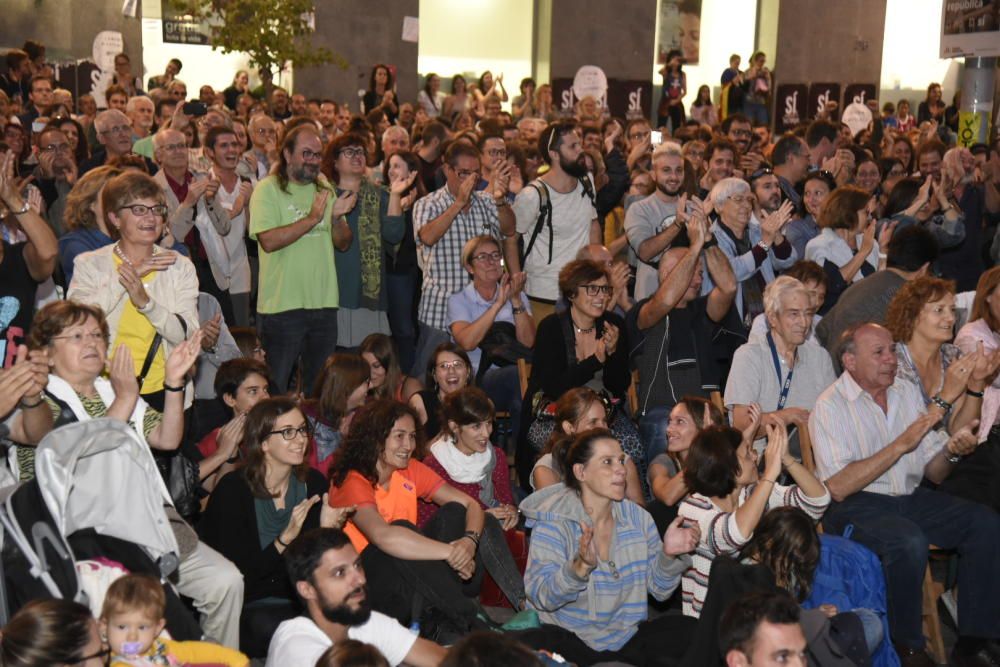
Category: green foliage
[271,32]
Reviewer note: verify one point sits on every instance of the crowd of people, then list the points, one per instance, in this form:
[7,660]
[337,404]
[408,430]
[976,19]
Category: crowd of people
[401,364]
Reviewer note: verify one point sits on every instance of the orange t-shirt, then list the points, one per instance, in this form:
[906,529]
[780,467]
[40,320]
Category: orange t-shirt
[397,502]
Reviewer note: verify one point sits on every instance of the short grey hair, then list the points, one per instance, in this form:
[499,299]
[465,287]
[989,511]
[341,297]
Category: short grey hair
[394,129]
[668,148]
[727,188]
[106,119]
[777,290]
[135,101]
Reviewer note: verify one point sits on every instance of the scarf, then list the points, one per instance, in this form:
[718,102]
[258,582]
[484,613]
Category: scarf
[476,468]
[270,520]
[370,244]
[65,393]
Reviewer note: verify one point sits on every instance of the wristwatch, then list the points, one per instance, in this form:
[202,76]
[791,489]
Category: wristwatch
[764,246]
[954,458]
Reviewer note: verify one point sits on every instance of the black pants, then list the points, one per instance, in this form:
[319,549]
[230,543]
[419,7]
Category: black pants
[260,619]
[404,589]
[661,641]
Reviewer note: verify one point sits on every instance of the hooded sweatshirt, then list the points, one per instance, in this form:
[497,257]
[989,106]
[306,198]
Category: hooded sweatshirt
[605,609]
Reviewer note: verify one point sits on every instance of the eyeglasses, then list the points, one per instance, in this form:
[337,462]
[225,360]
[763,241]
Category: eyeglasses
[351,153]
[289,432]
[56,148]
[117,129]
[760,173]
[174,147]
[140,210]
[310,155]
[594,290]
[741,133]
[264,132]
[78,338]
[484,256]
[458,364]
[741,200]
[465,173]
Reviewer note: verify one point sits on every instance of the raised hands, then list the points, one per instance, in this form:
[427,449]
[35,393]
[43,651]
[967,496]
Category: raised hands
[318,207]
[964,441]
[210,330]
[182,359]
[121,373]
[774,222]
[750,431]
[399,185]
[231,435]
[775,452]
[297,519]
[586,555]
[466,188]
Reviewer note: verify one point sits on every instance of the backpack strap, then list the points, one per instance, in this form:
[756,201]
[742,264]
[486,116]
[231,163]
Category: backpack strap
[544,218]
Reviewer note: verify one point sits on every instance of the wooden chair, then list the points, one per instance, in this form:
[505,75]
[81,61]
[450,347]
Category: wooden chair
[524,374]
[932,590]
[633,395]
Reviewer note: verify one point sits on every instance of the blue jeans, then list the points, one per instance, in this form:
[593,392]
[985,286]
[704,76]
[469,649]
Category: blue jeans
[653,431]
[306,336]
[429,338]
[900,528]
[401,289]
[757,113]
[503,386]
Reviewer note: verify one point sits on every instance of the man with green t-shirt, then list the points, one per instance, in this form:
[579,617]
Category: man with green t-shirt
[297,220]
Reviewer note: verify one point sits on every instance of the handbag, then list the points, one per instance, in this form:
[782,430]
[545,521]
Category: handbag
[500,348]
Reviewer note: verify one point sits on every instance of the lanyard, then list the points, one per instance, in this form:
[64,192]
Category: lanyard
[777,369]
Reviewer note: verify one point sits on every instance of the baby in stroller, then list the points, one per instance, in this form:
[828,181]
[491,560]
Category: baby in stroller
[133,618]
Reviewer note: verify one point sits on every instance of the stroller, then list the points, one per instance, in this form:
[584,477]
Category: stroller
[96,493]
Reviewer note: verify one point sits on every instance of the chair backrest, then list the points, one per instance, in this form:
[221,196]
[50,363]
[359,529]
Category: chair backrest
[633,395]
[523,374]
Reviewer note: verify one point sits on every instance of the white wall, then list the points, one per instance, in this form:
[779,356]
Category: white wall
[910,51]
[469,37]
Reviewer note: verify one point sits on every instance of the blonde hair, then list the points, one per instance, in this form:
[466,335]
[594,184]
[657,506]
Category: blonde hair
[135,592]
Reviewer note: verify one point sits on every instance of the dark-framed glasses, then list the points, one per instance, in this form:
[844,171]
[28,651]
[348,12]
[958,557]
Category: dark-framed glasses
[140,210]
[289,432]
[594,290]
[487,256]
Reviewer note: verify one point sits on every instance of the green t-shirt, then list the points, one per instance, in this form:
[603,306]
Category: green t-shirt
[144,147]
[300,275]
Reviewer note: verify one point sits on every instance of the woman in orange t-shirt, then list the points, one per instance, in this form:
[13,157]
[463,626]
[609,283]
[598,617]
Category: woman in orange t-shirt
[409,571]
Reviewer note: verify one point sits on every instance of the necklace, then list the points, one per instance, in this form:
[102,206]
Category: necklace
[121,255]
[582,331]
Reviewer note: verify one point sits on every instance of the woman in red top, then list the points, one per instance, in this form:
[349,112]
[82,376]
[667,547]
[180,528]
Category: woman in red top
[413,575]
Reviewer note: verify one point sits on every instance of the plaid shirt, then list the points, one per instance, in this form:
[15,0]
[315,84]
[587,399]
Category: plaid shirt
[442,263]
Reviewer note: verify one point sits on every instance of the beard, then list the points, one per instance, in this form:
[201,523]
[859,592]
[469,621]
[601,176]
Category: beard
[669,193]
[344,614]
[307,173]
[577,168]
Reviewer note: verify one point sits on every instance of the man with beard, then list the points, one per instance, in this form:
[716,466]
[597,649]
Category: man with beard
[297,219]
[326,571]
[766,190]
[299,105]
[55,176]
[720,157]
[328,120]
[652,224]
[738,129]
[553,234]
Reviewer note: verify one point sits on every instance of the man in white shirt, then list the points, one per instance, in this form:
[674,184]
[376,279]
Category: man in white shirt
[874,441]
[570,222]
[327,574]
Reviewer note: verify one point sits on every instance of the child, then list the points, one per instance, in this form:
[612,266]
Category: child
[131,623]
[240,384]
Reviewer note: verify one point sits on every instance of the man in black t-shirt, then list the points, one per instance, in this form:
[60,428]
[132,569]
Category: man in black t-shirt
[675,328]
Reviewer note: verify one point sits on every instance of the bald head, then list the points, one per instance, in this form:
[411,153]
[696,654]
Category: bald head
[669,261]
[596,253]
[868,353]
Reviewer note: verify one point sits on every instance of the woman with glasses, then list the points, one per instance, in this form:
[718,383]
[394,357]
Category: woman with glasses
[149,295]
[376,223]
[581,346]
[847,247]
[448,370]
[256,511]
[53,633]
[491,320]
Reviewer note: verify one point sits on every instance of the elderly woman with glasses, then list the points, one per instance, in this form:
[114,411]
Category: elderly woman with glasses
[149,295]
[757,250]
[488,319]
[582,346]
[847,247]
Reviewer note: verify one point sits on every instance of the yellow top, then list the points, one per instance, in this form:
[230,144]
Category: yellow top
[136,332]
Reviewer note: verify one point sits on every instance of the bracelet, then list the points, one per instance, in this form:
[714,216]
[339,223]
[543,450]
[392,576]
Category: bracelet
[23,209]
[764,246]
[28,406]
[472,536]
[974,394]
[953,458]
[167,387]
[941,403]
[710,243]
[518,311]
[278,540]
[765,479]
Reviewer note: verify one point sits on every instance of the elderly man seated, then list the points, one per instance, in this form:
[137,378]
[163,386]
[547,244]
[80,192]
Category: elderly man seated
[874,441]
[781,372]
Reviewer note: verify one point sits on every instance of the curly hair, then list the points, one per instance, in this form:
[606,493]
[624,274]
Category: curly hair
[366,438]
[904,310]
[57,316]
[786,542]
[980,307]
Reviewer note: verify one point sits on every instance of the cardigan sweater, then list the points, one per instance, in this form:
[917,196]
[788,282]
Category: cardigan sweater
[229,525]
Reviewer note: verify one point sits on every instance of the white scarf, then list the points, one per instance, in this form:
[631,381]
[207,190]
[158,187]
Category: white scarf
[65,393]
[463,468]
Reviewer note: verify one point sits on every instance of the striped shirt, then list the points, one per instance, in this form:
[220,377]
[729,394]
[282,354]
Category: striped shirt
[441,263]
[846,409]
[721,536]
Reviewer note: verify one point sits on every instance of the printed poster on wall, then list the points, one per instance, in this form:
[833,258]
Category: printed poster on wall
[790,106]
[819,95]
[625,99]
[180,28]
[679,28]
[970,28]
